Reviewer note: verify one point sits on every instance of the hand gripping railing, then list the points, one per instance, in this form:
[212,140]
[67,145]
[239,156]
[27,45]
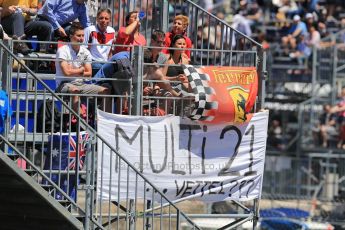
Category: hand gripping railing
[128,213]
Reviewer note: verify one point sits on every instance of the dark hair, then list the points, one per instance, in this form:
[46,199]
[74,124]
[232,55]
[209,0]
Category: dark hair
[157,34]
[148,56]
[75,27]
[173,41]
[129,15]
[107,10]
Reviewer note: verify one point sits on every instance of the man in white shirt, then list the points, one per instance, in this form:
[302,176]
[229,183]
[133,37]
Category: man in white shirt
[73,61]
[99,38]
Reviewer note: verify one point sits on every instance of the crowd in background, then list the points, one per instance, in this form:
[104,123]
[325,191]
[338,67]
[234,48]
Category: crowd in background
[286,27]
[331,126]
[291,29]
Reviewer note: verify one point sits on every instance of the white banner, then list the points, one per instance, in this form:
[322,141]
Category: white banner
[182,158]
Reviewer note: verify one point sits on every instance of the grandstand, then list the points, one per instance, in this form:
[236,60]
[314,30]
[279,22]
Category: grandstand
[303,183]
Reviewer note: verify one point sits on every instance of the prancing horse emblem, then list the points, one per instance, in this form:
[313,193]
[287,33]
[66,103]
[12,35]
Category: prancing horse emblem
[239,96]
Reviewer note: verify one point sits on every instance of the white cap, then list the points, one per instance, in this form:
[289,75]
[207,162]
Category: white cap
[309,15]
[296,17]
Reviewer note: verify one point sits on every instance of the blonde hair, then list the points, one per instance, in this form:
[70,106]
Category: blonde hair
[183,18]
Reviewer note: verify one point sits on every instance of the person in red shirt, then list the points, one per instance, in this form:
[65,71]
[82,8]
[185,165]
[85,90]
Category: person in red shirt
[179,27]
[130,34]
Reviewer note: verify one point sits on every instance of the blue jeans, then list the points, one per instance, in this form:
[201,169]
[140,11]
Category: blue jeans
[96,66]
[15,24]
[107,70]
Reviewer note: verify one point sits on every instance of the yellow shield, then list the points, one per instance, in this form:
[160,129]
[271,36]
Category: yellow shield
[239,97]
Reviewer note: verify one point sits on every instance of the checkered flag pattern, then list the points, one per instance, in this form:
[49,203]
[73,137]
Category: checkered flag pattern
[202,93]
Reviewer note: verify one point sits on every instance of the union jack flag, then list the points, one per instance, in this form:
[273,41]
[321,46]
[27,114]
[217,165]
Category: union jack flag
[83,146]
[62,150]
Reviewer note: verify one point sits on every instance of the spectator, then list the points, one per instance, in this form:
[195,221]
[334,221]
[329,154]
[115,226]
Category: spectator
[298,27]
[154,55]
[93,8]
[263,41]
[61,14]
[180,25]
[331,8]
[130,34]
[241,24]
[286,7]
[99,39]
[322,24]
[275,132]
[176,57]
[16,21]
[308,5]
[252,12]
[309,20]
[157,42]
[327,126]
[305,46]
[73,60]
[211,35]
[340,109]
[207,5]
[155,72]
[314,37]
[117,74]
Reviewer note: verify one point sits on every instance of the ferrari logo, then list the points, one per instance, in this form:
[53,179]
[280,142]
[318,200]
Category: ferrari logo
[239,97]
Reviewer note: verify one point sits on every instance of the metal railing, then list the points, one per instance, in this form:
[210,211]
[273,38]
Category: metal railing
[221,44]
[310,178]
[308,116]
[27,92]
[312,182]
[308,136]
[37,147]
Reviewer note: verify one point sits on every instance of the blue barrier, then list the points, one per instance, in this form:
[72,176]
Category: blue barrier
[284,212]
